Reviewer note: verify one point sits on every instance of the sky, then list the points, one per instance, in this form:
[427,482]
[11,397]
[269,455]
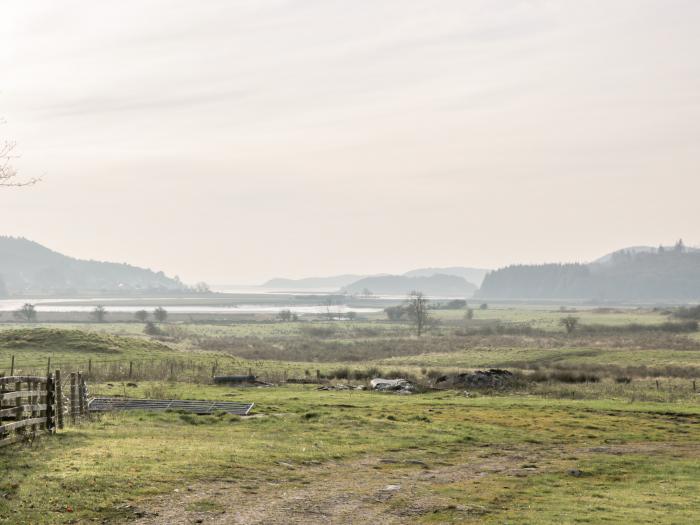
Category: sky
[233,141]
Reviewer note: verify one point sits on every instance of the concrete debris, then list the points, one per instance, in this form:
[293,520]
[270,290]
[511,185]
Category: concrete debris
[398,386]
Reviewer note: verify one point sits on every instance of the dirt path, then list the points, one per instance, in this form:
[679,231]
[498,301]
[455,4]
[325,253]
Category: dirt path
[387,490]
[373,490]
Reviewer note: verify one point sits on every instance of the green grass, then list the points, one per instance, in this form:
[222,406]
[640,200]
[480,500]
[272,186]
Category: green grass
[126,458]
[33,346]
[544,318]
[528,356]
[493,459]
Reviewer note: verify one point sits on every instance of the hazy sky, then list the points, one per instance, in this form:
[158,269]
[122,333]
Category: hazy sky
[233,141]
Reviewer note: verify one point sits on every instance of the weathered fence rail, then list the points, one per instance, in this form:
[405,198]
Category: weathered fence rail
[108,404]
[27,407]
[30,405]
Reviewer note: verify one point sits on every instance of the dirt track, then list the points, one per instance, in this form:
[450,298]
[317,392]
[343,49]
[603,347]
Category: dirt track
[384,490]
[365,491]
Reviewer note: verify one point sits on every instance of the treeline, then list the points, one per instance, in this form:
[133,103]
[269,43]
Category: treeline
[663,275]
[688,312]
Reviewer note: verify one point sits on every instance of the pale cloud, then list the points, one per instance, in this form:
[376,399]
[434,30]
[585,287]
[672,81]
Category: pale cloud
[232,141]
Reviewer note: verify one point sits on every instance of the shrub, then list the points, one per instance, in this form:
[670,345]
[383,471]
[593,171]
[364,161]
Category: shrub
[689,312]
[340,373]
[563,376]
[152,329]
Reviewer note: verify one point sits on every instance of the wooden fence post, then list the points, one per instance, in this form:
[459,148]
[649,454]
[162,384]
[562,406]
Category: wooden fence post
[59,400]
[34,401]
[18,401]
[12,367]
[85,398]
[131,368]
[81,397]
[73,400]
[50,400]
[2,391]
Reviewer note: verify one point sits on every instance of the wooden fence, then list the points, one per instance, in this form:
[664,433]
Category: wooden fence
[30,405]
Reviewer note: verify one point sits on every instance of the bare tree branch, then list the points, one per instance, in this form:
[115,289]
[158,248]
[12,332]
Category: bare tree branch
[8,174]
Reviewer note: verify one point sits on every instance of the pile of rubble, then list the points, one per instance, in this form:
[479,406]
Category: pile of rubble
[397,386]
[492,378]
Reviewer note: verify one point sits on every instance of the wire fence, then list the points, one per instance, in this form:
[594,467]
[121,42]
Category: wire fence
[190,370]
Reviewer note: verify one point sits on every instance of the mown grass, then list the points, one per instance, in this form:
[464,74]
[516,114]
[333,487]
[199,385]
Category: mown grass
[89,473]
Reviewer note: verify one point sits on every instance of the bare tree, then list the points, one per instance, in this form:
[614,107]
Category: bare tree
[161,314]
[417,308]
[26,313]
[99,314]
[328,303]
[8,174]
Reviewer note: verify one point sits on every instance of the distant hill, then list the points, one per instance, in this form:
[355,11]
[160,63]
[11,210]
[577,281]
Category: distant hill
[641,249]
[472,275]
[332,283]
[335,282]
[27,267]
[671,274]
[439,284]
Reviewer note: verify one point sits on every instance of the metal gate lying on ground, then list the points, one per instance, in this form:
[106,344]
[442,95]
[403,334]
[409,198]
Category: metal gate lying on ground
[107,404]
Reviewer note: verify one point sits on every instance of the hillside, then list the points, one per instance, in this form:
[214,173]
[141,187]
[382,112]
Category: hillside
[332,282]
[436,285]
[668,275]
[335,282]
[472,275]
[641,249]
[27,267]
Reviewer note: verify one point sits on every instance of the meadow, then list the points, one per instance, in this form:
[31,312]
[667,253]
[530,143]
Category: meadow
[595,427]
[311,455]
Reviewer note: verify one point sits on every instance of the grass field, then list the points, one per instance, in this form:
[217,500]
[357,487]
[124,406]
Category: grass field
[454,460]
[621,447]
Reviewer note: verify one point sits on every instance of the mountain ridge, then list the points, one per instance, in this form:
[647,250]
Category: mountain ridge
[666,275]
[438,284]
[27,267]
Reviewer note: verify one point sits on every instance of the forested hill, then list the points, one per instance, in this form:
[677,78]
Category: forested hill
[664,275]
[27,267]
[436,285]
